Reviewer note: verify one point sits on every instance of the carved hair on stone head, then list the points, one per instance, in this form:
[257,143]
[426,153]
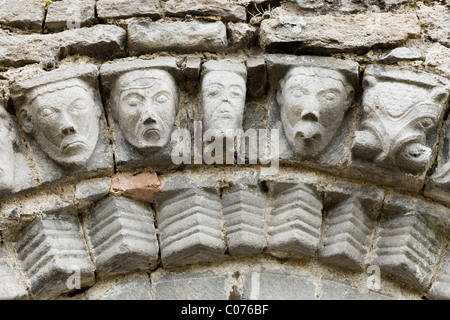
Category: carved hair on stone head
[134,79]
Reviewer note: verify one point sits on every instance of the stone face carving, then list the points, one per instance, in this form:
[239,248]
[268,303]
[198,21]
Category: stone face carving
[400,109]
[144,103]
[313,102]
[7,139]
[223,96]
[61,111]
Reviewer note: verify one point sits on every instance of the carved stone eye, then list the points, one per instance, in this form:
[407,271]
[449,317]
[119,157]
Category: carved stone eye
[426,123]
[79,105]
[330,96]
[161,98]
[133,102]
[236,92]
[45,112]
[296,93]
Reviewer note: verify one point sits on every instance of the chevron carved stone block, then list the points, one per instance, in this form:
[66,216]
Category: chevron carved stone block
[440,289]
[10,289]
[122,233]
[347,235]
[190,221]
[52,251]
[408,248]
[243,211]
[295,219]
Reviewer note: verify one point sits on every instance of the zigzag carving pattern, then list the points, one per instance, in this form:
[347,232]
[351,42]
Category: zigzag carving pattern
[295,219]
[122,233]
[190,223]
[408,248]
[347,235]
[243,211]
[10,289]
[49,250]
[441,287]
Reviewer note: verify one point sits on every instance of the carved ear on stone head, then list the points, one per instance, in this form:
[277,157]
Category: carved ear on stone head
[439,95]
[25,119]
[369,82]
[350,96]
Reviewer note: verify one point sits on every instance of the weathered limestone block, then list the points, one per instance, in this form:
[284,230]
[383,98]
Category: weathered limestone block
[243,212]
[122,233]
[10,288]
[333,289]
[136,287]
[25,14]
[436,20]
[407,248]
[15,174]
[70,14]
[189,286]
[440,289]
[62,114]
[295,219]
[144,101]
[328,34]
[122,9]
[438,57]
[192,68]
[256,77]
[401,111]
[221,8]
[314,98]
[190,221]
[242,35]
[100,41]
[93,189]
[141,187]
[224,91]
[401,54]
[347,235]
[147,37]
[54,256]
[283,284]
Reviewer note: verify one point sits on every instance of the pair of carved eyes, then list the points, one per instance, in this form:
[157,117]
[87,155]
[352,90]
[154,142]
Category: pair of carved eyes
[215,91]
[423,123]
[328,95]
[135,100]
[79,105]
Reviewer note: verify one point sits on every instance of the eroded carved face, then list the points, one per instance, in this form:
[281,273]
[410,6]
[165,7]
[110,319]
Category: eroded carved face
[396,120]
[313,103]
[64,119]
[144,104]
[223,101]
[6,151]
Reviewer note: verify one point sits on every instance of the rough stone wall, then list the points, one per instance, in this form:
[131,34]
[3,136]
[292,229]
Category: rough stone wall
[94,207]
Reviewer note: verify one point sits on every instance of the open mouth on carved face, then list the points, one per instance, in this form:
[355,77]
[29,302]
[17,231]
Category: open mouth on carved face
[151,134]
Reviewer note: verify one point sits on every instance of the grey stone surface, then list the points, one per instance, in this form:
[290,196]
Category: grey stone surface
[347,235]
[277,285]
[397,132]
[121,9]
[70,14]
[64,144]
[147,37]
[440,289]
[256,77]
[27,14]
[241,35]
[328,34]
[190,221]
[136,287]
[100,41]
[189,286]
[295,219]
[243,211]
[334,290]
[93,189]
[400,54]
[191,68]
[438,57]
[122,233]
[52,250]
[407,248]
[221,8]
[10,288]
[435,20]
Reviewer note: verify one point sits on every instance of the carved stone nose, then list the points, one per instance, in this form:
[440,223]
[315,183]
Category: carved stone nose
[310,116]
[149,120]
[68,130]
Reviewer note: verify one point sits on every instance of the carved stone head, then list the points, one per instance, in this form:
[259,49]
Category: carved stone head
[7,139]
[64,119]
[400,109]
[223,97]
[144,104]
[313,102]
